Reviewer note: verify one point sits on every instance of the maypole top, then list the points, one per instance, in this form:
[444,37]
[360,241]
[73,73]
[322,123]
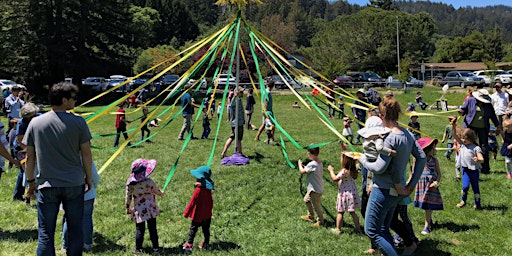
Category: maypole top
[238,3]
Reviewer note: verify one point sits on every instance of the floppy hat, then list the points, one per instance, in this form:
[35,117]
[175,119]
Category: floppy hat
[361,91]
[478,95]
[353,155]
[413,114]
[372,127]
[424,142]
[410,104]
[141,169]
[204,174]
[28,110]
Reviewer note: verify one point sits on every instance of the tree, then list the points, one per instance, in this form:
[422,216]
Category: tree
[283,33]
[152,56]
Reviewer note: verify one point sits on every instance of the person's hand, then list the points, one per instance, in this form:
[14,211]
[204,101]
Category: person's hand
[128,211]
[299,162]
[31,191]
[330,168]
[433,184]
[509,147]
[442,141]
[88,183]
[160,193]
[17,163]
[475,159]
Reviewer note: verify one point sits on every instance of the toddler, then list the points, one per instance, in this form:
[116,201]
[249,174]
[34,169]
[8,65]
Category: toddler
[341,106]
[347,129]
[200,207]
[219,107]
[141,190]
[414,126]
[206,124]
[373,134]
[506,148]
[410,107]
[471,158]
[269,128]
[315,186]
[144,128]
[492,142]
[427,196]
[448,137]
[348,198]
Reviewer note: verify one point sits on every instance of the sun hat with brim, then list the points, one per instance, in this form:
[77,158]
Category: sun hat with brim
[413,114]
[353,155]
[424,142]
[141,169]
[478,96]
[373,126]
[204,173]
[361,91]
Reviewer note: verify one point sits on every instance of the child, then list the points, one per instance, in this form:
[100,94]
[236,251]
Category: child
[141,190]
[347,129]
[411,107]
[471,158]
[219,107]
[144,127]
[414,126]
[341,106]
[206,123]
[154,122]
[348,198]
[506,148]
[448,137]
[314,179]
[419,100]
[456,148]
[427,196]
[269,128]
[492,142]
[11,137]
[296,105]
[121,125]
[200,207]
[373,134]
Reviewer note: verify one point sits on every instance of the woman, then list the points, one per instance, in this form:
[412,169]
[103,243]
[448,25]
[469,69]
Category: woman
[389,177]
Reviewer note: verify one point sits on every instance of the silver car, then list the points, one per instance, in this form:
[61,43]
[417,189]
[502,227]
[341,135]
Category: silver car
[463,79]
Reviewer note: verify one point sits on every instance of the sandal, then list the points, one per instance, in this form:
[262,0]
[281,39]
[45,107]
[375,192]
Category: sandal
[461,204]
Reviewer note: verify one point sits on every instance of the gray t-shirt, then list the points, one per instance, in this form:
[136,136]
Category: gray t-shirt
[466,156]
[56,137]
[314,176]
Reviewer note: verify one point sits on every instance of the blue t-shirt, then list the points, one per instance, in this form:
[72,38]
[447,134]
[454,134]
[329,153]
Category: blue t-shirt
[188,109]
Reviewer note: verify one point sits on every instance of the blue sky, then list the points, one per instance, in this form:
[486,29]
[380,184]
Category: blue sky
[455,3]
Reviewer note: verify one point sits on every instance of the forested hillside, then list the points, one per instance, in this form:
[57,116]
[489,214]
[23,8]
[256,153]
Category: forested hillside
[45,41]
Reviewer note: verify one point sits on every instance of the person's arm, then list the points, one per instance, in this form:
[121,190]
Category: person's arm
[438,172]
[128,200]
[334,177]
[444,135]
[30,171]
[419,165]
[188,211]
[454,133]
[379,166]
[85,151]
[302,169]
[379,145]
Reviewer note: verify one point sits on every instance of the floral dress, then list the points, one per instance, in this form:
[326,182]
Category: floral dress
[144,203]
[427,198]
[348,198]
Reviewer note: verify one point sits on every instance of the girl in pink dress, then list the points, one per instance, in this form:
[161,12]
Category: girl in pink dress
[141,190]
[348,198]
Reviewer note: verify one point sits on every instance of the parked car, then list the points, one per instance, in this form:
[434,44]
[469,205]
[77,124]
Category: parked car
[280,83]
[168,80]
[115,80]
[138,82]
[413,82]
[222,79]
[487,75]
[8,84]
[97,84]
[503,77]
[392,82]
[360,78]
[463,79]
[342,81]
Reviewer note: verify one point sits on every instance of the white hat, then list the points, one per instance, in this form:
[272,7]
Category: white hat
[373,126]
[481,97]
[361,91]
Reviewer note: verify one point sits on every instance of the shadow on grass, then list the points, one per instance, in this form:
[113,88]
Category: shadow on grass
[454,227]
[216,246]
[257,157]
[23,235]
[103,244]
[501,208]
[431,247]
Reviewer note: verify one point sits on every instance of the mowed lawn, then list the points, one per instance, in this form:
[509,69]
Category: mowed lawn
[257,207]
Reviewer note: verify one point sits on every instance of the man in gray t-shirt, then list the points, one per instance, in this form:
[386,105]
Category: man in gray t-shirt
[60,144]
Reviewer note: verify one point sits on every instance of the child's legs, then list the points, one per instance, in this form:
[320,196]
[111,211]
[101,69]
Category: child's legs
[449,151]
[508,164]
[206,230]
[401,227]
[153,233]
[404,216]
[428,218]
[474,177]
[309,205]
[317,204]
[192,231]
[140,229]
[339,220]
[356,220]
[465,184]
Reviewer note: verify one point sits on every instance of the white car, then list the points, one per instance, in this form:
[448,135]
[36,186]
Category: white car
[222,79]
[490,76]
[98,84]
[8,84]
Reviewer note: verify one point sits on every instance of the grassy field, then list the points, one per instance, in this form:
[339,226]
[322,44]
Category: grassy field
[257,206]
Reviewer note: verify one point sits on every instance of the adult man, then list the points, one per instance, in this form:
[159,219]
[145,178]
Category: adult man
[13,103]
[267,109]
[56,140]
[188,105]
[499,100]
[236,110]
[360,114]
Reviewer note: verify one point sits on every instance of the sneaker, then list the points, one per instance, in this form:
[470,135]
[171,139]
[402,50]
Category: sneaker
[307,218]
[204,246]
[187,247]
[509,176]
[425,231]
[317,224]
[335,231]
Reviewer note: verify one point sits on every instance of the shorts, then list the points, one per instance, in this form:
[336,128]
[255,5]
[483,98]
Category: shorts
[265,117]
[240,132]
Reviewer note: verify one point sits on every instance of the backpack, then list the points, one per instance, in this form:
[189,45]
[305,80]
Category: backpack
[374,98]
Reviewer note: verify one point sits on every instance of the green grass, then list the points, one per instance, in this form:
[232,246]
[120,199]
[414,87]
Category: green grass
[257,206]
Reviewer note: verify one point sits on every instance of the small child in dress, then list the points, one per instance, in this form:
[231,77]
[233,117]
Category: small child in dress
[427,196]
[348,198]
[141,190]
[471,158]
[448,137]
[414,126]
[200,207]
[315,187]
[206,124]
[347,129]
[492,142]
[506,148]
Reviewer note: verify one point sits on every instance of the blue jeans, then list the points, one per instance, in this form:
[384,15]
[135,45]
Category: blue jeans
[48,202]
[87,225]
[19,188]
[470,177]
[449,151]
[379,214]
